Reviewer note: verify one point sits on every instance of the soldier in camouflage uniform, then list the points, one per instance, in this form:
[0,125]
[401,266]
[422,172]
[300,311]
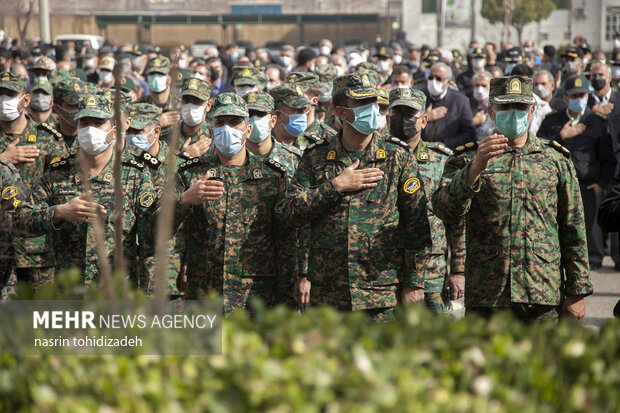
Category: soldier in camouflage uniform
[226,200]
[327,73]
[30,147]
[194,131]
[246,79]
[363,197]
[63,208]
[157,73]
[316,130]
[66,97]
[525,233]
[40,109]
[384,103]
[407,120]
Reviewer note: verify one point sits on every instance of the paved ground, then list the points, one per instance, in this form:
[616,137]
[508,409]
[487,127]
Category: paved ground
[599,306]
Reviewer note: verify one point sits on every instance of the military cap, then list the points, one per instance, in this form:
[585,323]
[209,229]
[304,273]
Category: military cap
[367,67]
[58,75]
[291,95]
[585,47]
[355,86]
[260,101]
[13,81]
[413,98]
[259,63]
[44,63]
[229,104]
[181,75]
[382,97]
[245,75]
[385,51]
[511,89]
[143,114]
[375,78]
[326,72]
[158,64]
[107,63]
[576,84]
[431,58]
[42,84]
[303,79]
[69,91]
[456,55]
[94,106]
[614,59]
[573,53]
[478,52]
[197,88]
[128,84]
[79,73]
[109,94]
[513,54]
[136,51]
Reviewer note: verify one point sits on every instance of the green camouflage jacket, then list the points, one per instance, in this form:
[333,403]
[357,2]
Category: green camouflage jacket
[12,193]
[524,225]
[314,133]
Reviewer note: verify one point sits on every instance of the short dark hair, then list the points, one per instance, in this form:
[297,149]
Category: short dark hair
[401,70]
[339,99]
[522,69]
[305,55]
[280,70]
[549,51]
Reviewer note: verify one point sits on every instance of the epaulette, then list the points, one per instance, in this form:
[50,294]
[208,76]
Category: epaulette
[464,148]
[189,164]
[51,130]
[276,165]
[320,142]
[398,142]
[66,158]
[440,147]
[149,160]
[553,112]
[134,164]
[314,137]
[555,145]
[185,155]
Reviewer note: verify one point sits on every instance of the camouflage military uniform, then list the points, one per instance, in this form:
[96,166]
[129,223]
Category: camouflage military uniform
[524,221]
[248,76]
[327,73]
[35,257]
[70,92]
[202,90]
[75,243]
[237,240]
[46,87]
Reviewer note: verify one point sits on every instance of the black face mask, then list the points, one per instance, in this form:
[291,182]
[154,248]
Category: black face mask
[403,126]
[598,83]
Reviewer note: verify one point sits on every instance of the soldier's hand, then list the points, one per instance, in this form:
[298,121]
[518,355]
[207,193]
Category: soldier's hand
[169,118]
[489,147]
[456,283]
[353,179]
[20,154]
[78,210]
[574,307]
[204,190]
[603,109]
[197,149]
[596,188]
[569,131]
[302,291]
[437,113]
[412,295]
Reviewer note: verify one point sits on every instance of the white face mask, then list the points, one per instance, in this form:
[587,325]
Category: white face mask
[384,65]
[192,115]
[41,102]
[182,64]
[105,76]
[435,87]
[481,93]
[260,128]
[286,60]
[93,140]
[244,90]
[8,108]
[477,63]
[89,63]
[199,76]
[325,50]
[339,71]
[541,91]
[397,59]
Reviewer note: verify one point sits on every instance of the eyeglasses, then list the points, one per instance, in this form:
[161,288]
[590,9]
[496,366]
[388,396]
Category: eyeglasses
[435,78]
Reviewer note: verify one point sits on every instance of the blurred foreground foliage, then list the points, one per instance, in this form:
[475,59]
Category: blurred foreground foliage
[279,361]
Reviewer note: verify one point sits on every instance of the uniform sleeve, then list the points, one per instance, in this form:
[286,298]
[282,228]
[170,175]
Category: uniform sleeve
[180,212]
[147,204]
[35,217]
[572,232]
[305,202]
[414,225]
[452,200]
[455,233]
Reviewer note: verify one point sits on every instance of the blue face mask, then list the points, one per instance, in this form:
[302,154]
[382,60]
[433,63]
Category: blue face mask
[511,123]
[297,124]
[366,118]
[578,105]
[228,141]
[140,140]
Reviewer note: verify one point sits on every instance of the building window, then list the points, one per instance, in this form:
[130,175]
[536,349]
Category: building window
[612,22]
[429,6]
[561,4]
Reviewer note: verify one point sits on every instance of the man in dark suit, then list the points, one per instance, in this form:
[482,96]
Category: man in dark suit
[603,99]
[449,113]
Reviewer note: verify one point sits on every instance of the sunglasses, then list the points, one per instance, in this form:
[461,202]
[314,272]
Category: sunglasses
[435,78]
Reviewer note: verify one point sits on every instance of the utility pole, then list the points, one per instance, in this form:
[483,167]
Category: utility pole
[44,21]
[441,21]
[507,20]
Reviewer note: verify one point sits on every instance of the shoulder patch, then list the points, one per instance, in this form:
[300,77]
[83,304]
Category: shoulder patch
[189,164]
[149,160]
[134,164]
[276,165]
[465,148]
[555,145]
[398,142]
[320,142]
[50,129]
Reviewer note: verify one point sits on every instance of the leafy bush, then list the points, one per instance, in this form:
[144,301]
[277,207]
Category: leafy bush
[279,361]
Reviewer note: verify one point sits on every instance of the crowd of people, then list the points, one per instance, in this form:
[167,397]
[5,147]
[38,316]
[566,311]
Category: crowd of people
[359,178]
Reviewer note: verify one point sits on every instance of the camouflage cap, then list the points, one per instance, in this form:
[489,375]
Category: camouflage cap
[303,79]
[385,51]
[260,64]
[229,104]
[136,51]
[355,86]
[200,89]
[291,95]
[382,97]
[143,114]
[365,67]
[576,84]
[12,81]
[107,63]
[158,64]
[128,84]
[413,98]
[44,63]
[42,84]
[260,101]
[69,91]
[181,75]
[94,106]
[245,75]
[326,72]
[58,75]
[511,89]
